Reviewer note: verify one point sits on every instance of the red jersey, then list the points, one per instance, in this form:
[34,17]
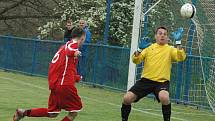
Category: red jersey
[62,69]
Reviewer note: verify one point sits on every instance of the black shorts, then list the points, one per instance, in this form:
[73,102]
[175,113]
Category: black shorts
[144,86]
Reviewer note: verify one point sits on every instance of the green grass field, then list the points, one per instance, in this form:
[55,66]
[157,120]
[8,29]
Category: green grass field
[21,91]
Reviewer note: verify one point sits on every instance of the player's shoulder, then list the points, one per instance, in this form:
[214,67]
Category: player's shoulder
[170,46]
[61,47]
[72,42]
[152,45]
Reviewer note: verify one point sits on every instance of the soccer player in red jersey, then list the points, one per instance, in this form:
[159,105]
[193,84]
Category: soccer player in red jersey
[62,77]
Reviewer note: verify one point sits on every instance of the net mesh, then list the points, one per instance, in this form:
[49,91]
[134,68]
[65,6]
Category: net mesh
[206,38]
[193,81]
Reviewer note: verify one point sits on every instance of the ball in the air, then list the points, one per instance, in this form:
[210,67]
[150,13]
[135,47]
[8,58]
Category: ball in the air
[188,10]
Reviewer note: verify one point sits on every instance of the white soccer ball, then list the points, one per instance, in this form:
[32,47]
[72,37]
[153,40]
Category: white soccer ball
[188,10]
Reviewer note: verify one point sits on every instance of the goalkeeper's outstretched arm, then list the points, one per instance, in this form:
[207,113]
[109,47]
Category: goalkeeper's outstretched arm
[139,55]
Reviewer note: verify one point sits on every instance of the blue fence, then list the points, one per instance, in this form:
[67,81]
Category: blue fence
[104,66]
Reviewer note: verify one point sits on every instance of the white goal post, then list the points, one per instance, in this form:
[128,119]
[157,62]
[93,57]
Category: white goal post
[134,42]
[138,17]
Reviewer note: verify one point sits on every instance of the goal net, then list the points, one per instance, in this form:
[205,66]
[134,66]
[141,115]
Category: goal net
[193,81]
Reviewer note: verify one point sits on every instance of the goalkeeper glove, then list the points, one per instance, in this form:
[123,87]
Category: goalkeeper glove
[144,43]
[177,35]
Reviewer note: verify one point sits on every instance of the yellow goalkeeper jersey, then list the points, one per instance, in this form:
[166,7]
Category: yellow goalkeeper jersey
[157,61]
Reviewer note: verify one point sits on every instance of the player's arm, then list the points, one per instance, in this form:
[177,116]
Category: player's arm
[78,78]
[178,53]
[139,55]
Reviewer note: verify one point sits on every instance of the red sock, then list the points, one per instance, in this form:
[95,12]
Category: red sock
[37,112]
[65,119]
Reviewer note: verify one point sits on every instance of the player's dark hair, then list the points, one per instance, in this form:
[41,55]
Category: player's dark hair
[161,27]
[77,32]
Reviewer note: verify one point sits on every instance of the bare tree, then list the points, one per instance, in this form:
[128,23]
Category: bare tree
[23,17]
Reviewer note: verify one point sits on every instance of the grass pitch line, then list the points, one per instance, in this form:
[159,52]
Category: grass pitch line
[112,104]
[135,109]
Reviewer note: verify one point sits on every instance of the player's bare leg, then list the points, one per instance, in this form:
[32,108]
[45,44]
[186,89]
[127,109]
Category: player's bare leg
[166,105]
[128,98]
[35,112]
[70,117]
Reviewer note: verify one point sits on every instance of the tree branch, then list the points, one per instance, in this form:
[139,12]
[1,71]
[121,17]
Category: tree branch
[11,7]
[29,16]
[34,7]
[8,25]
[40,7]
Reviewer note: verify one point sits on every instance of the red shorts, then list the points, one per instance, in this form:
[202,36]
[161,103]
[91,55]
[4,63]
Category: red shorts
[64,97]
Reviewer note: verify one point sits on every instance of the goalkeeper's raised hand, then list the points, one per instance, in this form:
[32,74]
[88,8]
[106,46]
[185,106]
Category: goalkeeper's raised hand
[144,43]
[177,35]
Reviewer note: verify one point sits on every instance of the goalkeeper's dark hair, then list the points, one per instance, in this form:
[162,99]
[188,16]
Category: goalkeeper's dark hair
[161,27]
[77,32]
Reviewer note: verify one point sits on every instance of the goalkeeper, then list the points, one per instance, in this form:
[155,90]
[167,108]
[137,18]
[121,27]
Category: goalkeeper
[156,74]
